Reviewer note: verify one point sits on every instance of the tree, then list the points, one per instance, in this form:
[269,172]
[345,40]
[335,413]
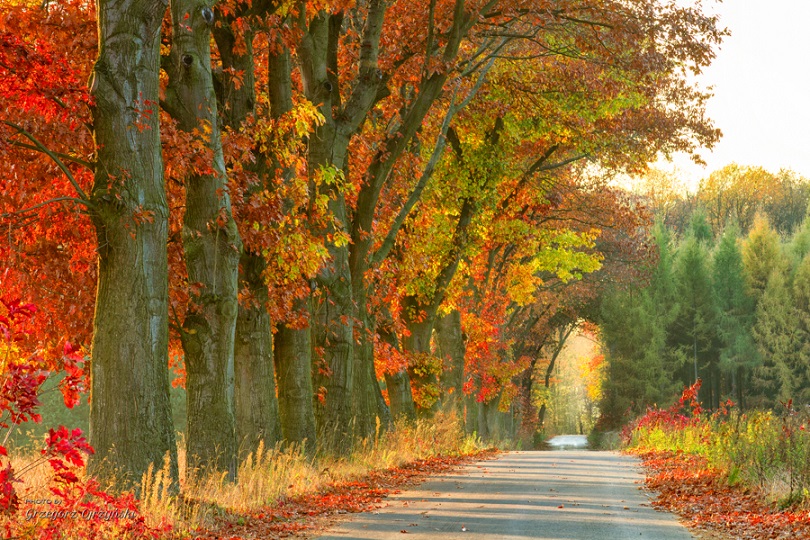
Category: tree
[211,246]
[635,324]
[663,192]
[735,192]
[739,192]
[761,254]
[130,419]
[694,328]
[779,339]
[800,241]
[798,366]
[331,209]
[255,402]
[735,313]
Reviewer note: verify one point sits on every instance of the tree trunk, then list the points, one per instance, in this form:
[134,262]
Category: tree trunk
[293,358]
[422,373]
[211,246]
[419,320]
[541,416]
[130,413]
[563,333]
[470,415]
[400,396]
[451,349]
[255,402]
[483,421]
[326,160]
[527,426]
[371,413]
[292,353]
[335,341]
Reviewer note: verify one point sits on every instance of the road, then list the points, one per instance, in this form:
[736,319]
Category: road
[558,494]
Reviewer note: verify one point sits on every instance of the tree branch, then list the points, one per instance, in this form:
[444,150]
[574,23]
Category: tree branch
[59,163]
[370,77]
[44,203]
[427,173]
[67,157]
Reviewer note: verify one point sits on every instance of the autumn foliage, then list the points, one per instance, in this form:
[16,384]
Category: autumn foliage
[322,216]
[68,505]
[743,474]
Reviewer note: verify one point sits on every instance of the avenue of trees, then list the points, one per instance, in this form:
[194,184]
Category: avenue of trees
[322,217]
[726,302]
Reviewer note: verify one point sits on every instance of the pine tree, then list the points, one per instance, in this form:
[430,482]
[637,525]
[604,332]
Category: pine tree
[779,339]
[760,253]
[735,312]
[800,242]
[634,328]
[800,365]
[694,329]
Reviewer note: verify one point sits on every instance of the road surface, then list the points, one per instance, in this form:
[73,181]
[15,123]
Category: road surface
[558,494]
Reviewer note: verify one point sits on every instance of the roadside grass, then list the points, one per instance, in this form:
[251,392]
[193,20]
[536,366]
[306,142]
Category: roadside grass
[268,477]
[762,450]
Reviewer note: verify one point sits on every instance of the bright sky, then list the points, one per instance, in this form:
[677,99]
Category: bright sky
[761,80]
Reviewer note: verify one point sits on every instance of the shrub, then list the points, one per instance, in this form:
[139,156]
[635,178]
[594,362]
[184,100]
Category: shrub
[70,506]
[766,450]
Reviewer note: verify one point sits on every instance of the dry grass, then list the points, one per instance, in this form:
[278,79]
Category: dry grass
[269,474]
[273,473]
[35,473]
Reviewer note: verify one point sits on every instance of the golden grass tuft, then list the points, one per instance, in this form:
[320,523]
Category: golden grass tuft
[270,474]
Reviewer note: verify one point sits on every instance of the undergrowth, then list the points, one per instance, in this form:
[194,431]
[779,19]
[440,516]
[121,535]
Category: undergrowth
[267,476]
[765,450]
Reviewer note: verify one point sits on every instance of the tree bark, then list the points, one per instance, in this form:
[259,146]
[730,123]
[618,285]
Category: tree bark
[400,396]
[470,415]
[335,341]
[212,248]
[371,413]
[527,413]
[293,359]
[483,421]
[451,349]
[130,413]
[255,402]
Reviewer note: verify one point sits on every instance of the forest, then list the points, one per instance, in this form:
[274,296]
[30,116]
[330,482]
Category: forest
[726,300]
[307,226]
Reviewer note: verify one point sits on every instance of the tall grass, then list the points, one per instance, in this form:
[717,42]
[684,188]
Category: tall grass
[270,474]
[766,450]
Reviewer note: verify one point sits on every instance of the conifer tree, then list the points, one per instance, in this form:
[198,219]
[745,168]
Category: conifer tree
[779,339]
[694,331]
[634,328]
[799,367]
[760,251]
[735,312]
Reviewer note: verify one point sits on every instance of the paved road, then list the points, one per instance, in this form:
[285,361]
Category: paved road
[560,494]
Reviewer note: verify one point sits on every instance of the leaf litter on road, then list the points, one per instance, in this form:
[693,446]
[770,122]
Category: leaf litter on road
[302,516]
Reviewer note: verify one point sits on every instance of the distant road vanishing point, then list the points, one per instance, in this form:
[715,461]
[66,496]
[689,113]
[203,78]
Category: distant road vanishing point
[556,494]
